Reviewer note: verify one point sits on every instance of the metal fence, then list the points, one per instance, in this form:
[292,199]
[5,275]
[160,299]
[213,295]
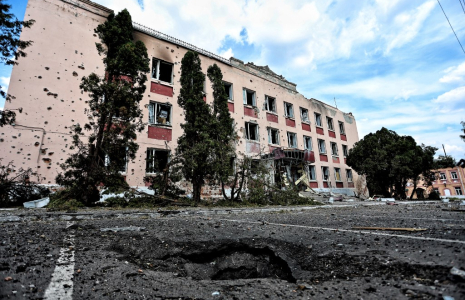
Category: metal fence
[165,37]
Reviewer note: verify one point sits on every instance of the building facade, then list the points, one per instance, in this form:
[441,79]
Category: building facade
[296,135]
[449,182]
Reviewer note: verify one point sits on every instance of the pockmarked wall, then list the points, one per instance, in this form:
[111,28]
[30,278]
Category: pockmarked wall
[268,110]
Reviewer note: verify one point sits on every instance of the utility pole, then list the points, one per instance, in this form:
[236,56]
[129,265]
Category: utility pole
[335,102]
[445,154]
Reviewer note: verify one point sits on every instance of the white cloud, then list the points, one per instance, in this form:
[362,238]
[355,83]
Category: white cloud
[451,99]
[227,54]
[454,74]
[4,82]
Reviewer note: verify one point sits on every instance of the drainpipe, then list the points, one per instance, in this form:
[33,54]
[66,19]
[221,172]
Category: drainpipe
[460,169]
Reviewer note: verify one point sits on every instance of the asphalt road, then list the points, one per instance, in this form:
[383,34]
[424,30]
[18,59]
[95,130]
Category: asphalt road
[302,254]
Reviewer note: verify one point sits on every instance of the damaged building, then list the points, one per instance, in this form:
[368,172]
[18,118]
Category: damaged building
[303,139]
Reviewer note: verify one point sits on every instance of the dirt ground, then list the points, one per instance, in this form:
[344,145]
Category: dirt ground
[302,254]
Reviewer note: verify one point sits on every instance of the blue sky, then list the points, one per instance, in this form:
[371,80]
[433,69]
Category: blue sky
[392,63]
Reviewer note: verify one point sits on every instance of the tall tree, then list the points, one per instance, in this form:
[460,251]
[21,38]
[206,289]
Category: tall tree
[113,110]
[10,46]
[389,161]
[195,146]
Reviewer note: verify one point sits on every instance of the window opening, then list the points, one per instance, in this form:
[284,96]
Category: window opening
[292,140]
[344,150]
[318,120]
[325,173]
[453,175]
[273,136]
[337,174]
[228,90]
[249,97]
[330,123]
[251,131]
[349,175]
[289,110]
[311,173]
[270,104]
[321,146]
[304,114]
[162,70]
[334,151]
[341,127]
[156,160]
[159,113]
[442,176]
[458,191]
[307,143]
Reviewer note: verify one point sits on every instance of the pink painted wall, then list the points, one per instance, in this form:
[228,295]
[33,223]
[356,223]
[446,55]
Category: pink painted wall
[64,50]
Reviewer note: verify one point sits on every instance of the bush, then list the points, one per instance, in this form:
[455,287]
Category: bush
[116,201]
[434,196]
[62,201]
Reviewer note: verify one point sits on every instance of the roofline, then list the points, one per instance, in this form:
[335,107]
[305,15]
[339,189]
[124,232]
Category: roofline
[90,3]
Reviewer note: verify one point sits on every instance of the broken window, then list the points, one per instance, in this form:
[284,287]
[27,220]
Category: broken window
[270,104]
[160,113]
[458,191]
[304,114]
[349,175]
[318,120]
[442,176]
[288,110]
[311,173]
[162,70]
[337,174]
[251,131]
[307,143]
[254,166]
[228,90]
[344,150]
[453,175]
[156,160]
[249,97]
[334,151]
[123,151]
[321,146]
[341,127]
[325,173]
[330,123]
[273,136]
[292,140]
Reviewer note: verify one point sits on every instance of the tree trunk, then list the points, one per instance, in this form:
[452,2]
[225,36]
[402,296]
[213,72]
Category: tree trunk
[197,189]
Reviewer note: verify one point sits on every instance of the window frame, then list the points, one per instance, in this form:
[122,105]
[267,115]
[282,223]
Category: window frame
[273,109]
[254,97]
[318,122]
[286,105]
[330,123]
[310,173]
[453,175]
[307,141]
[294,135]
[230,94]
[247,131]
[441,175]
[157,69]
[342,129]
[270,140]
[307,120]
[154,159]
[321,142]
[345,150]
[457,188]
[334,148]
[153,119]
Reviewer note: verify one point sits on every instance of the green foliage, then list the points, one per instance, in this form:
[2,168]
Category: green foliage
[116,201]
[389,161]
[114,113]
[10,46]
[444,161]
[163,183]
[206,141]
[62,200]
[434,196]
[17,187]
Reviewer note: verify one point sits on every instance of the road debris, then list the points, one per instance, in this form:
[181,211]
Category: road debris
[390,228]
[457,272]
[117,229]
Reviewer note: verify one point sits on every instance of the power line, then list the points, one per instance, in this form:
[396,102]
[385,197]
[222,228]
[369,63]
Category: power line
[451,26]
[462,5]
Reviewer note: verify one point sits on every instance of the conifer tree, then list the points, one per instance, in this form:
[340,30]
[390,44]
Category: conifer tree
[195,146]
[114,113]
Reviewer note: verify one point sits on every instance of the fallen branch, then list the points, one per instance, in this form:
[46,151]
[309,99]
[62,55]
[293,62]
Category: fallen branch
[390,228]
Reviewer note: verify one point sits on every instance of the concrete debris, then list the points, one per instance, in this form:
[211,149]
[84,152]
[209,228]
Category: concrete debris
[117,229]
[457,272]
[37,203]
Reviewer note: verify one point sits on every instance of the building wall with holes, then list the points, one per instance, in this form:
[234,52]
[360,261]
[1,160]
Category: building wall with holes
[46,87]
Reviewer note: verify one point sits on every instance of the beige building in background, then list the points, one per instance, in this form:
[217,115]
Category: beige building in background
[274,121]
